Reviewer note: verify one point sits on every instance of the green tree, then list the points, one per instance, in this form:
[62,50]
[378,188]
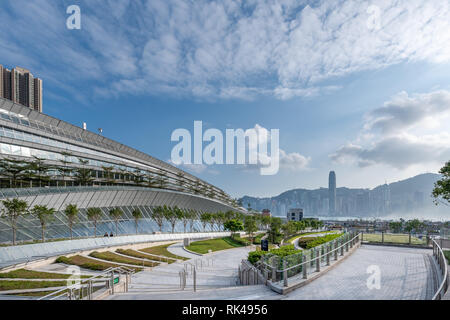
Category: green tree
[441,191]
[173,215]
[137,214]
[192,217]
[65,170]
[94,214]
[220,219]
[40,169]
[205,218]
[414,225]
[230,215]
[396,226]
[71,212]
[13,169]
[289,228]
[265,221]
[158,216]
[108,174]
[274,230]
[116,214]
[234,226]
[44,215]
[83,175]
[250,226]
[13,209]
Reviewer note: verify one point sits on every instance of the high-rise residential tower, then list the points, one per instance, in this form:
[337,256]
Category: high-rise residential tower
[332,193]
[20,86]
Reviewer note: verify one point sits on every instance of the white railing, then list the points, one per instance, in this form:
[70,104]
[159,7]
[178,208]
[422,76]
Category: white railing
[84,288]
[438,254]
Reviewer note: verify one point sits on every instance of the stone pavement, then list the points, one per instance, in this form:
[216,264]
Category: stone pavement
[177,249]
[405,274]
[218,270]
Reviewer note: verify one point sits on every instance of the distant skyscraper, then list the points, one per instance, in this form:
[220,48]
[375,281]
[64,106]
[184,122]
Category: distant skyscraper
[332,193]
[19,86]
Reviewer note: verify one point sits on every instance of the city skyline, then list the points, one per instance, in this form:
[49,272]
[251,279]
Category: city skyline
[373,113]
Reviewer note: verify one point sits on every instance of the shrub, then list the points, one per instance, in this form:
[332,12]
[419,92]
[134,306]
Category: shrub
[303,242]
[255,256]
[285,251]
[321,240]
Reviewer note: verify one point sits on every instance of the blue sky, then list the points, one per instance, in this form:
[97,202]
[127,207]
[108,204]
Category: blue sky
[358,87]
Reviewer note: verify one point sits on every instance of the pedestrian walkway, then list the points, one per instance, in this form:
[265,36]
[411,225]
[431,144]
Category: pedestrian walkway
[405,274]
[177,249]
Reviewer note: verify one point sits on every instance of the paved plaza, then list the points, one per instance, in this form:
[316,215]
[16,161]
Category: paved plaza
[405,274]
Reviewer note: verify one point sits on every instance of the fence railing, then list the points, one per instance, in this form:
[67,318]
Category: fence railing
[438,254]
[396,238]
[83,289]
[320,256]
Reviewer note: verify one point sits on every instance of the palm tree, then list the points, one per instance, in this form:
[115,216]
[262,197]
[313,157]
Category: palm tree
[12,210]
[205,218]
[176,215]
[192,216]
[158,216]
[137,214]
[185,218]
[169,215]
[71,212]
[94,214]
[116,214]
[44,215]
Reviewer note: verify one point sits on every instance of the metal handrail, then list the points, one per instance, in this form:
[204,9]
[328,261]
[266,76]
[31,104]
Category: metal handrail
[56,294]
[441,260]
[315,258]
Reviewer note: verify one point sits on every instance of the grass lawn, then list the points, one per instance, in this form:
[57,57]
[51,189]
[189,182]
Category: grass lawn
[30,274]
[90,264]
[214,245]
[110,256]
[304,234]
[137,254]
[392,238]
[18,285]
[162,251]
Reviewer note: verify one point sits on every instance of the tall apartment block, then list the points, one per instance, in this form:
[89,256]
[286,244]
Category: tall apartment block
[20,86]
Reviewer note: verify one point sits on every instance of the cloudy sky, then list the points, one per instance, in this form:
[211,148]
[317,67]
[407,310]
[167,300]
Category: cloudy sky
[359,87]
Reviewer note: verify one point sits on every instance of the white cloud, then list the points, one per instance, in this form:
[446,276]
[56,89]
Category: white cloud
[223,49]
[406,131]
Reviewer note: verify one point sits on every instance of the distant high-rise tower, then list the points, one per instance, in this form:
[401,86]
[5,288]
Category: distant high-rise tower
[19,86]
[332,193]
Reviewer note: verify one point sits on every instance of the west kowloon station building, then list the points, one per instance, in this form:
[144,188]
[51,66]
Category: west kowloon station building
[46,161]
